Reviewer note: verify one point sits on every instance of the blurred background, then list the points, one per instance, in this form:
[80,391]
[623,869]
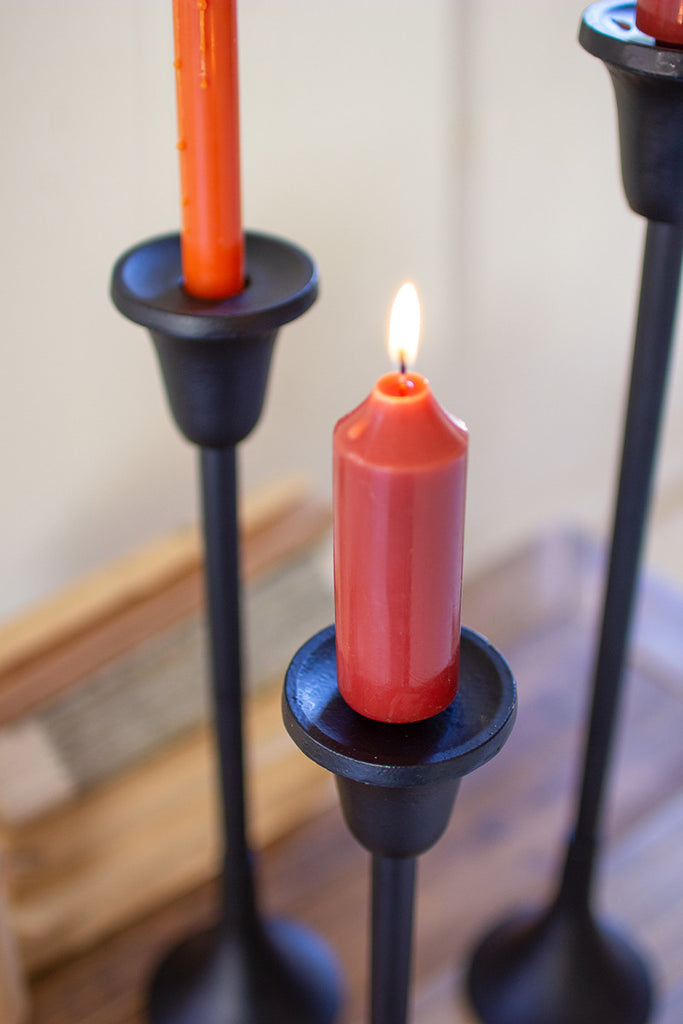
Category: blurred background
[467,144]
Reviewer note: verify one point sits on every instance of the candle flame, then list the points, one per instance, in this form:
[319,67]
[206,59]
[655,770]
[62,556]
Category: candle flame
[404,325]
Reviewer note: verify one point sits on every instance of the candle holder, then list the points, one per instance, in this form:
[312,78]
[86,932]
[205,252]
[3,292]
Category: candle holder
[214,359]
[562,966]
[397,783]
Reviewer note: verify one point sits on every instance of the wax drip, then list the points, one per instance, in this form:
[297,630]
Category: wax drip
[202,6]
[181,144]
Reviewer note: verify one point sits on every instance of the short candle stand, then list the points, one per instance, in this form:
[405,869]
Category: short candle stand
[215,357]
[562,966]
[397,783]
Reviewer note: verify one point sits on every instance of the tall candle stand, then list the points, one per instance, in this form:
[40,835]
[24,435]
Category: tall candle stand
[562,966]
[397,783]
[215,358]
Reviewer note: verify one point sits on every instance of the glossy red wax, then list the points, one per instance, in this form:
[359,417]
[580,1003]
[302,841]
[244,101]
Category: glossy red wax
[662,19]
[399,508]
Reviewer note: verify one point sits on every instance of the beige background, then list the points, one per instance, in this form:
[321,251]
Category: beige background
[468,145]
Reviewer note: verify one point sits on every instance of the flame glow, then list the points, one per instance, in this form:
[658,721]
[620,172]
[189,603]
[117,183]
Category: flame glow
[404,325]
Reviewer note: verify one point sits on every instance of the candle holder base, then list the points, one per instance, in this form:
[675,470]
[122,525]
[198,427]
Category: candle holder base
[558,968]
[277,973]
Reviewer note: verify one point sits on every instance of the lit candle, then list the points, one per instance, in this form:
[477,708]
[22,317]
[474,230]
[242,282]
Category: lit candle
[662,19]
[399,507]
[207,95]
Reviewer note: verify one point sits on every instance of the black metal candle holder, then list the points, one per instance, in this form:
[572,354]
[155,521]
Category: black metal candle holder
[397,783]
[215,358]
[562,966]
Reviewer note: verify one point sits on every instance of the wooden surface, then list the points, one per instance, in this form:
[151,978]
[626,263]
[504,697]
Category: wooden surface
[505,838]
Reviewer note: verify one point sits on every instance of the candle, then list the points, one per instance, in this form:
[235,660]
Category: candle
[399,507]
[205,33]
[662,19]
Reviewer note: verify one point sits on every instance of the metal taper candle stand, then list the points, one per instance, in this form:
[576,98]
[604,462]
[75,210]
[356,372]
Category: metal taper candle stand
[562,966]
[397,783]
[215,358]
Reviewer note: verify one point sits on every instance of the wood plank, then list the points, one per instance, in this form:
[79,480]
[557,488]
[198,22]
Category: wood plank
[101,594]
[81,873]
[90,625]
[133,578]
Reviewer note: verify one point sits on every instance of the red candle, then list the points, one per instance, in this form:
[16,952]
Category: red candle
[205,62]
[399,507]
[662,19]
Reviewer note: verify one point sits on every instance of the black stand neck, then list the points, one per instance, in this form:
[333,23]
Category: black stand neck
[219,506]
[393,898]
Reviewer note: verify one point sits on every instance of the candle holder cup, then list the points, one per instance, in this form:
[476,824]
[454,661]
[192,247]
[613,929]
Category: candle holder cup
[397,783]
[561,965]
[648,86]
[215,358]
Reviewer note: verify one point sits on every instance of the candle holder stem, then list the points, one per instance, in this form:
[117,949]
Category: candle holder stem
[222,579]
[215,358]
[562,966]
[651,358]
[393,897]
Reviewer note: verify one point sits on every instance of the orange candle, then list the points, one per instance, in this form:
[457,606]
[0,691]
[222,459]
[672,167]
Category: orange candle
[399,509]
[662,19]
[208,142]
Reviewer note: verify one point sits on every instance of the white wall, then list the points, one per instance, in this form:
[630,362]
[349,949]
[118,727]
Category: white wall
[469,144]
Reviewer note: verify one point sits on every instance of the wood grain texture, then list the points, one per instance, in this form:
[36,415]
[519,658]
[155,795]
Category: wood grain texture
[79,874]
[502,847]
[93,861]
[88,625]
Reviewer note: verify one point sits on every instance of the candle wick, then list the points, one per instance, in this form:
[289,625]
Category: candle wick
[403,375]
